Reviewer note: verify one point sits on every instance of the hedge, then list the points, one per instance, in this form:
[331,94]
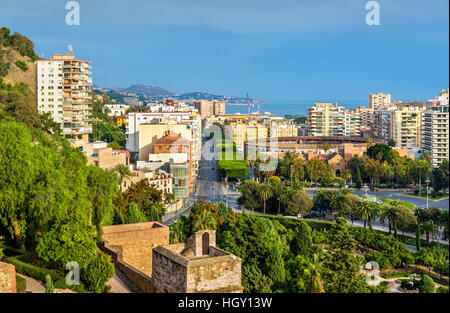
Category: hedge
[36,272]
[292,223]
[233,169]
[21,284]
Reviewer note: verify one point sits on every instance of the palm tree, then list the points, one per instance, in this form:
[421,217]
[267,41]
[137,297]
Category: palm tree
[430,229]
[368,211]
[314,269]
[123,171]
[320,198]
[204,221]
[339,202]
[347,175]
[178,230]
[389,213]
[286,195]
[264,191]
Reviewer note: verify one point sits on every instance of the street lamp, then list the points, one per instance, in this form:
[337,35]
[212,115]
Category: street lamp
[427,181]
[420,181]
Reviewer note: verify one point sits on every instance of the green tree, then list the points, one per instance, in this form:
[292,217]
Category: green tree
[368,211]
[69,240]
[49,287]
[205,220]
[135,215]
[103,190]
[341,267]
[122,171]
[358,179]
[302,243]
[427,285]
[301,203]
[98,272]
[179,230]
[264,192]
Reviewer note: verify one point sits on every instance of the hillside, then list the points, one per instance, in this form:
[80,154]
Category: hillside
[147,90]
[18,77]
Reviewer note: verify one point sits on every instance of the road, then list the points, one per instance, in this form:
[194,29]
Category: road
[396,194]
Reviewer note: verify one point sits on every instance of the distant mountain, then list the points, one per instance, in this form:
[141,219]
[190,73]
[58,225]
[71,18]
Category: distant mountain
[147,90]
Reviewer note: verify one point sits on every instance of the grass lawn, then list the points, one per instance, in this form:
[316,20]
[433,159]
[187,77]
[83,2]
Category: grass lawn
[405,203]
[423,196]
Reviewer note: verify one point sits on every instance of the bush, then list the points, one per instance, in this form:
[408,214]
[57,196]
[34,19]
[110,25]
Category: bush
[22,65]
[98,272]
[442,290]
[49,287]
[427,285]
[67,241]
[61,283]
[36,272]
[233,169]
[21,284]
[396,274]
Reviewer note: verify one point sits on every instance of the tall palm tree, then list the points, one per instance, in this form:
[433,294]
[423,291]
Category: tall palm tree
[264,191]
[314,269]
[123,171]
[347,175]
[389,213]
[178,230]
[204,221]
[286,195]
[368,211]
[430,229]
[339,202]
[320,198]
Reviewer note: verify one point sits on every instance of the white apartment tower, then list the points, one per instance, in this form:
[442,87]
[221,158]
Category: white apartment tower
[64,90]
[435,131]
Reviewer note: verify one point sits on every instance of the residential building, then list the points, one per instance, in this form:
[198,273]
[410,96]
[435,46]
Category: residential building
[140,140]
[326,119]
[406,127]
[435,129]
[210,108]
[64,90]
[116,109]
[379,100]
[160,180]
[99,154]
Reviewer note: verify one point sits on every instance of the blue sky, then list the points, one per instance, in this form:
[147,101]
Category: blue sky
[273,49]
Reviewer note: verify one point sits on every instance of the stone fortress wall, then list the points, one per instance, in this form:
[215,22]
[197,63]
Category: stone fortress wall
[142,251]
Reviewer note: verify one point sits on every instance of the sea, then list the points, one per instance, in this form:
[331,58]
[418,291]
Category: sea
[291,107]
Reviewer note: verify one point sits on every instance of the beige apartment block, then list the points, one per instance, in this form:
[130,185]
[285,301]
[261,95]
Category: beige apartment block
[160,180]
[99,154]
[406,127]
[150,133]
[326,119]
[210,108]
[379,100]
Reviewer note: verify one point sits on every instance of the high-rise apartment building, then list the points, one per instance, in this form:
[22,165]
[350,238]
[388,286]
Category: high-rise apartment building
[435,132]
[326,119]
[379,100]
[406,127]
[352,124]
[64,89]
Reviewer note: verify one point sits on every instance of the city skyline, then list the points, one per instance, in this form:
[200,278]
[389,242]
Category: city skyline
[273,50]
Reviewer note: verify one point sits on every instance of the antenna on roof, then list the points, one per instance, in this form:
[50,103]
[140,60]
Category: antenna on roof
[70,49]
